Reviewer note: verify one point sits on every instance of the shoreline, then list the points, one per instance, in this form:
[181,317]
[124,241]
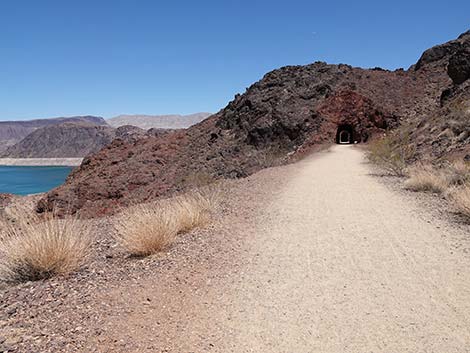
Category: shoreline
[40,162]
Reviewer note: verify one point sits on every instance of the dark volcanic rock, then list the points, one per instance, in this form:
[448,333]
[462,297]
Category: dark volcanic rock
[350,108]
[287,112]
[445,134]
[437,55]
[459,66]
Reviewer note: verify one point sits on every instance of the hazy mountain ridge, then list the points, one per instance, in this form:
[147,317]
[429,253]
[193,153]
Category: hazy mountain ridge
[66,140]
[12,132]
[172,121]
[79,136]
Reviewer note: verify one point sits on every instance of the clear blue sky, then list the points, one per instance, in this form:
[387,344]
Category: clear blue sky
[107,57]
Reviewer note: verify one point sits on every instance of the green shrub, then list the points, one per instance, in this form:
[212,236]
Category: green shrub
[392,153]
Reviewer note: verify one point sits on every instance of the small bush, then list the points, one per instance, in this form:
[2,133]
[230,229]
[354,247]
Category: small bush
[149,228]
[35,248]
[426,178]
[392,153]
[192,211]
[145,229]
[458,172]
[460,197]
[197,180]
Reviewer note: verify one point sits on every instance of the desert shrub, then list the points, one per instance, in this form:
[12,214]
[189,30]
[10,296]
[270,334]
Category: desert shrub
[196,180]
[148,228]
[33,248]
[460,198]
[392,153]
[145,229]
[269,157]
[427,178]
[458,172]
[191,211]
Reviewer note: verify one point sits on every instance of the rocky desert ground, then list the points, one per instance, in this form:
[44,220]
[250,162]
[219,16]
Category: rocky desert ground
[305,249]
[321,255]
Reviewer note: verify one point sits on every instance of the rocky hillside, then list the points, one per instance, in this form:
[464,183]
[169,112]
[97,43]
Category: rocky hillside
[65,140]
[445,132]
[69,140]
[158,121]
[12,132]
[288,112]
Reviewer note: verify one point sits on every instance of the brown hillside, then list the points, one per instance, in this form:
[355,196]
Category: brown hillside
[287,112]
[12,132]
[64,140]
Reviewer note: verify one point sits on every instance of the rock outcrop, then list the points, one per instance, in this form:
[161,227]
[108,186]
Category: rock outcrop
[445,133]
[459,63]
[288,112]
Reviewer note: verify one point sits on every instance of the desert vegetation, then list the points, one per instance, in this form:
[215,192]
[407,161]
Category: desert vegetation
[426,178]
[33,248]
[446,178]
[392,153]
[451,179]
[148,228]
[461,200]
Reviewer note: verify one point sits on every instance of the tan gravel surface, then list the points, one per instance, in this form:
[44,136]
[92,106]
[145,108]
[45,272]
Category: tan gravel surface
[332,261]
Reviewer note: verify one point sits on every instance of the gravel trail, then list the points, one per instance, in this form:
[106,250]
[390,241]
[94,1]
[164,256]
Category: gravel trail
[333,262]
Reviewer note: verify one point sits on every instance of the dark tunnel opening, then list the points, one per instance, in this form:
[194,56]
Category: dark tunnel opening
[345,134]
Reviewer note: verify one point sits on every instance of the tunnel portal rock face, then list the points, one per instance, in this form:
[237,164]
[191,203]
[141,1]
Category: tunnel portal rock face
[287,113]
[352,112]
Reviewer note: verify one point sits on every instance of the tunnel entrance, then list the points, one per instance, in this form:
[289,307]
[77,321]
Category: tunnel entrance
[345,134]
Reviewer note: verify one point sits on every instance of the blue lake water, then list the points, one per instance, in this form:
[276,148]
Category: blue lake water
[31,180]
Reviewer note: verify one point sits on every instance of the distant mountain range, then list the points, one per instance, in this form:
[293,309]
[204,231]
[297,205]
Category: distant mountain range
[66,140]
[81,135]
[158,121]
[12,132]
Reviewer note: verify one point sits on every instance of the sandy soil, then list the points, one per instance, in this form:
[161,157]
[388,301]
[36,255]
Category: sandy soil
[335,262]
[318,256]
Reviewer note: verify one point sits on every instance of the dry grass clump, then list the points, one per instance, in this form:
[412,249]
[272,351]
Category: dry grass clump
[392,153]
[148,228]
[460,197]
[452,179]
[145,229]
[458,172]
[191,211]
[426,178]
[33,248]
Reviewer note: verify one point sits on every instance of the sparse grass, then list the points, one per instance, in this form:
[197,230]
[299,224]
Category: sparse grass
[145,229]
[269,157]
[458,172]
[460,197]
[392,153]
[427,178]
[452,180]
[197,180]
[33,248]
[148,228]
[191,211]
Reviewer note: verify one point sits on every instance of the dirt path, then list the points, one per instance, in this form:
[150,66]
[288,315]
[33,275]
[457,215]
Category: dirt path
[335,262]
